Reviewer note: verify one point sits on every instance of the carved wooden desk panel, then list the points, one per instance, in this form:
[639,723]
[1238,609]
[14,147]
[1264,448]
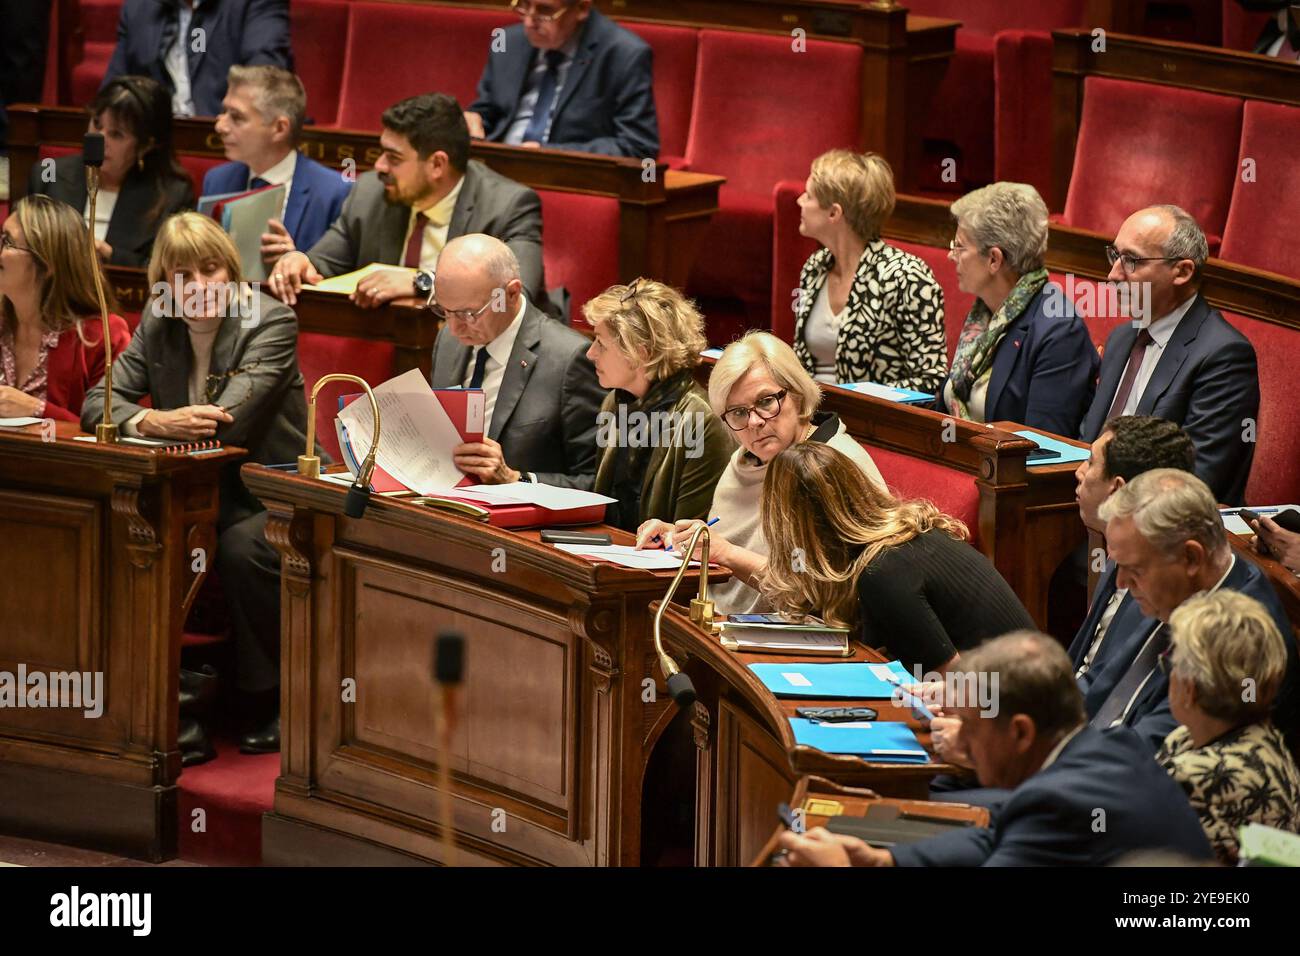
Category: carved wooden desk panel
[97,573]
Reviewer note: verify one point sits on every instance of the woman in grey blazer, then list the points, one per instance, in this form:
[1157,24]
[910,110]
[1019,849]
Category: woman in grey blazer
[219,365]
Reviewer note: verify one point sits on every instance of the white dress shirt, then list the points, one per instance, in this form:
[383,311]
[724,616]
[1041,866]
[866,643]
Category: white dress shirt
[435,229]
[279,174]
[177,61]
[494,371]
[1161,330]
[1103,626]
[105,202]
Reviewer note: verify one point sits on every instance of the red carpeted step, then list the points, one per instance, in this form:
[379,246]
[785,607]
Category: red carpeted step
[234,790]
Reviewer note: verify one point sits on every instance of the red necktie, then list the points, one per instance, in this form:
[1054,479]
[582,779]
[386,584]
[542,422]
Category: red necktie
[1130,372]
[412,257]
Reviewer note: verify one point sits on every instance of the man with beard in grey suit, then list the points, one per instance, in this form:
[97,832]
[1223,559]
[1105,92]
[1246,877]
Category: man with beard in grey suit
[541,391]
[423,192]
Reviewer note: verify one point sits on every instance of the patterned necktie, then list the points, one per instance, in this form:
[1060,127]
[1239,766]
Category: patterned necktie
[536,131]
[480,364]
[1130,373]
[412,257]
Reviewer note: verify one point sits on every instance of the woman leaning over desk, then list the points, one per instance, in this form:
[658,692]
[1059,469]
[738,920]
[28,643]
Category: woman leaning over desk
[661,449]
[768,400]
[220,367]
[51,336]
[901,572]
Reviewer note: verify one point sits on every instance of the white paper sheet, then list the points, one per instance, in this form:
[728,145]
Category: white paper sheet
[547,496]
[627,556]
[18,422]
[416,438]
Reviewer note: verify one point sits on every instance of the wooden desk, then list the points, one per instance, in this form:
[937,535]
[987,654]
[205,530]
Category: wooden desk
[97,573]
[811,792]
[558,726]
[662,216]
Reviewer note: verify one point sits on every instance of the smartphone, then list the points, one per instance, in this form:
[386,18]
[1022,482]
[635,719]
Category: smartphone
[1288,519]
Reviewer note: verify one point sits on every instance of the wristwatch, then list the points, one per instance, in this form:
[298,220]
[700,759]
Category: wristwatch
[423,283]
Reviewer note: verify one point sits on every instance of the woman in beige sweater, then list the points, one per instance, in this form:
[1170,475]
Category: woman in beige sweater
[763,394]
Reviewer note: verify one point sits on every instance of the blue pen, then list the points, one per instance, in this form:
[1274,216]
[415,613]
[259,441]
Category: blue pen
[709,525]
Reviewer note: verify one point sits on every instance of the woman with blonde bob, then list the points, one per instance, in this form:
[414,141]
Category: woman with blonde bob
[900,572]
[51,335]
[766,398]
[661,449]
[219,364]
[1226,662]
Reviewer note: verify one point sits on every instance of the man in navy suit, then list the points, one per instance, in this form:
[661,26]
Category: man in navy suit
[568,78]
[260,125]
[1181,360]
[1078,796]
[189,45]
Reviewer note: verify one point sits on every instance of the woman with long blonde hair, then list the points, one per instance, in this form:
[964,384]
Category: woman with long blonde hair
[51,336]
[899,571]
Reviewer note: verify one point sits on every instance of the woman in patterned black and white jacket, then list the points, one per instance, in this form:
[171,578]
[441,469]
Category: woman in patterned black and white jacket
[866,312]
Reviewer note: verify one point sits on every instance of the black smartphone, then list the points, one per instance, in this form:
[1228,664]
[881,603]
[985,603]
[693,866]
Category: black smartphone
[551,536]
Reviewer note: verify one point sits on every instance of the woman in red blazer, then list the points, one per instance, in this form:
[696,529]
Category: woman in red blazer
[51,338]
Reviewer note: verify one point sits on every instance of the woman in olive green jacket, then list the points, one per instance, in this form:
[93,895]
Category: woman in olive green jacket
[661,447]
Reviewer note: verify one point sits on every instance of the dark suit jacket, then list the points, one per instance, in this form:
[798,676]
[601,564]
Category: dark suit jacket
[1044,368]
[1150,716]
[238,33]
[315,196]
[607,104]
[130,230]
[1206,381]
[1052,818]
[271,417]
[371,230]
[545,413]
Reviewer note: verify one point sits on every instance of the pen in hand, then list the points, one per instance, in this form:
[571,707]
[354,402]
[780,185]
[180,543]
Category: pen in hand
[711,523]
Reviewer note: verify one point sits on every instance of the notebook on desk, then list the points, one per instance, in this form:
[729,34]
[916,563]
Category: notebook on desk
[829,681]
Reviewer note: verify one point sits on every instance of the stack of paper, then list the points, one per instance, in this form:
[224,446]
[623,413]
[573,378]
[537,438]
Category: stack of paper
[627,556]
[346,283]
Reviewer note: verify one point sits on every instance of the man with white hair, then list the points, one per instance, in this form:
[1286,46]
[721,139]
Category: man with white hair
[541,390]
[1180,361]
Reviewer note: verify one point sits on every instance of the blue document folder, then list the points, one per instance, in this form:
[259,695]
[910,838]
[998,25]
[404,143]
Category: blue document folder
[848,681]
[1050,451]
[892,393]
[886,741]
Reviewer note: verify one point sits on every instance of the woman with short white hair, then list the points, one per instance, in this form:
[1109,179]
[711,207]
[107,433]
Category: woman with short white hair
[1023,355]
[1226,661]
[769,402]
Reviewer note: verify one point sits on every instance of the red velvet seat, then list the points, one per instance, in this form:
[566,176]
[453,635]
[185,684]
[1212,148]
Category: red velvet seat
[762,113]
[959,122]
[197,167]
[1264,217]
[953,491]
[675,52]
[580,247]
[319,355]
[1133,151]
[318,32]
[398,50]
[1274,478]
[1022,112]
[95,24]
[1241,28]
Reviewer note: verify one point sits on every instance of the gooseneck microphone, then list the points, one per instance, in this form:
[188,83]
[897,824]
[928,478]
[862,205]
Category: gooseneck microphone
[92,155]
[680,687]
[354,506]
[448,672]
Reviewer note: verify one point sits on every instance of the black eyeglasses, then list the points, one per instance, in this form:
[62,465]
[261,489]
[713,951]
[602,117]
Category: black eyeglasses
[767,407]
[1129,262]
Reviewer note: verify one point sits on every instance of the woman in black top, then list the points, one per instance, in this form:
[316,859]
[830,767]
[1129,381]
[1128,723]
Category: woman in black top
[898,571]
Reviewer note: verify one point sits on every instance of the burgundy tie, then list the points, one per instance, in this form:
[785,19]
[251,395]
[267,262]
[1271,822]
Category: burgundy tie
[412,258]
[1130,373]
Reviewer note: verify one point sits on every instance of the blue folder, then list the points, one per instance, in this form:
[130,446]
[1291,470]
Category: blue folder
[1053,452]
[885,741]
[848,681]
[907,396]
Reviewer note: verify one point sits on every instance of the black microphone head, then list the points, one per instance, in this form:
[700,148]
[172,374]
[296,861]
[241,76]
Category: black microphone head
[92,149]
[354,505]
[449,658]
[681,690]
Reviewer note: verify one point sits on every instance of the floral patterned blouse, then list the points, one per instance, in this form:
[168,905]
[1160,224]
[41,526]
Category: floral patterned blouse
[38,379]
[1246,776]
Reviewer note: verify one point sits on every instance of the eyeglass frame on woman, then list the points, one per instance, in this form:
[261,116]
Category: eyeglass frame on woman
[1113,256]
[7,242]
[539,17]
[753,410]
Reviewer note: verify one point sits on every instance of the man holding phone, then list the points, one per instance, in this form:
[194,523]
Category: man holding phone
[1278,537]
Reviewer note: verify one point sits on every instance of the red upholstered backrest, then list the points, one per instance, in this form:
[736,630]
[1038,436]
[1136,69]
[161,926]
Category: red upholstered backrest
[397,50]
[94,23]
[1022,114]
[1134,151]
[953,491]
[956,303]
[990,17]
[197,167]
[675,51]
[580,245]
[1240,27]
[1264,219]
[1274,478]
[319,355]
[1095,303]
[318,31]
[763,112]
[790,251]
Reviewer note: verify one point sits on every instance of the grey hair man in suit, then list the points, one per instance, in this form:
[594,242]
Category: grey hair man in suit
[542,394]
[423,192]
